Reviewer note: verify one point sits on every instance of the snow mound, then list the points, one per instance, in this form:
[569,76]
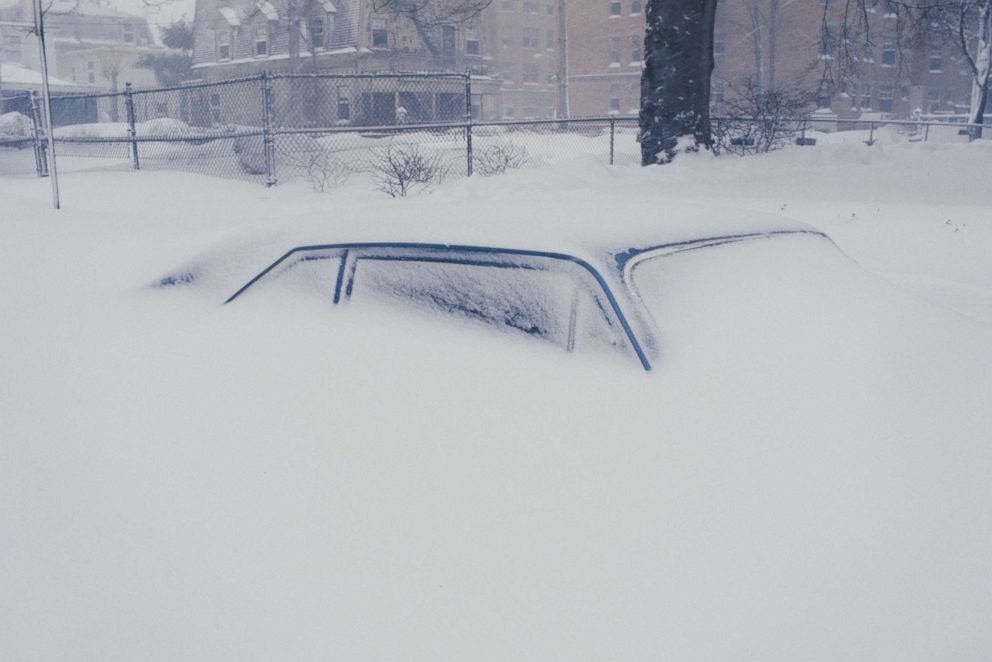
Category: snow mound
[15,125]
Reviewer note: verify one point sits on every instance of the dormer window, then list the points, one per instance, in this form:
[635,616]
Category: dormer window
[224,45]
[317,37]
[261,40]
[380,33]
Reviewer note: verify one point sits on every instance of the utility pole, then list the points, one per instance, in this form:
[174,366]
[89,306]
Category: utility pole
[563,110]
[39,26]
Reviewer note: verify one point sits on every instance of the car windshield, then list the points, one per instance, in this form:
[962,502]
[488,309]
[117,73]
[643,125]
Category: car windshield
[552,304]
[550,297]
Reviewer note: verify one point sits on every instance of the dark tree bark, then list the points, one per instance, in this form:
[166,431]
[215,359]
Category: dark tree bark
[675,84]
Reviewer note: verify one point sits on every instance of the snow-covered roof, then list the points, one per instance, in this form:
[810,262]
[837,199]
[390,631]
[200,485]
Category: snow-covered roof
[230,16]
[330,8]
[77,8]
[268,10]
[16,75]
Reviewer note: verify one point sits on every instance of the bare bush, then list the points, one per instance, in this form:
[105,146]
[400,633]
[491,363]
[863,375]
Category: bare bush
[496,159]
[400,169]
[756,121]
[322,169]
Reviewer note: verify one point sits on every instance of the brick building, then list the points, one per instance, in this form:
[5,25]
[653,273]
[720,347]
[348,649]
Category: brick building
[526,36]
[234,38]
[799,49]
[511,49]
[605,42]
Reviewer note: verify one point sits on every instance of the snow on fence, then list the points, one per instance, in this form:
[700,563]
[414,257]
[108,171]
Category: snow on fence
[397,130]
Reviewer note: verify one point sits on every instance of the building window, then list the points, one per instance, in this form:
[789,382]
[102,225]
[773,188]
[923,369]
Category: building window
[215,108]
[615,97]
[380,33]
[12,50]
[635,48]
[129,33]
[634,97]
[824,98]
[933,101]
[551,40]
[344,102]
[91,72]
[866,96]
[614,45]
[532,38]
[530,6]
[635,7]
[891,9]
[509,5]
[936,59]
[885,98]
[889,54]
[472,42]
[316,27]
[615,7]
[261,40]
[531,73]
[719,92]
[224,45]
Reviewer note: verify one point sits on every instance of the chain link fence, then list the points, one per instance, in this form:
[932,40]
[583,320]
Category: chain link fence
[398,131]
[22,150]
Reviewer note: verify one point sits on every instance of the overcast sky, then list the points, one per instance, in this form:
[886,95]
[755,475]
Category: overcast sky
[172,10]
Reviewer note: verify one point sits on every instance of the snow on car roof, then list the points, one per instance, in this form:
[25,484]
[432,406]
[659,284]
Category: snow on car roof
[603,235]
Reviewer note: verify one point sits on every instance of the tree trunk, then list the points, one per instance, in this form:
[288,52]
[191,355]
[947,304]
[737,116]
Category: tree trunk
[754,13]
[983,68]
[675,85]
[772,43]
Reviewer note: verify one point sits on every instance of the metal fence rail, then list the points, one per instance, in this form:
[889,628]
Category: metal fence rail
[325,128]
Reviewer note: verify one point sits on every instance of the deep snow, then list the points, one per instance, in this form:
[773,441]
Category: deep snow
[182,480]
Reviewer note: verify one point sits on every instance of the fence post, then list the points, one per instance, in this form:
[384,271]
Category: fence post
[613,140]
[40,151]
[468,121]
[802,136]
[926,135]
[132,133]
[268,141]
[871,134]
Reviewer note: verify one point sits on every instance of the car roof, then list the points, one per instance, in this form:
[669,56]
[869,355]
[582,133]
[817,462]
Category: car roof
[606,235]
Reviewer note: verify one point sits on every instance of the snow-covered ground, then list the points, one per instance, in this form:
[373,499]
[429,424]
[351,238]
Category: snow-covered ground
[181,480]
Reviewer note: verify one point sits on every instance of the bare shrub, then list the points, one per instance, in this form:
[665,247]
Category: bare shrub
[496,159]
[322,169]
[755,121]
[400,169]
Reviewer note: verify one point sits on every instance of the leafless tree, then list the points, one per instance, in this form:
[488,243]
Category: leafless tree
[968,25]
[429,15]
